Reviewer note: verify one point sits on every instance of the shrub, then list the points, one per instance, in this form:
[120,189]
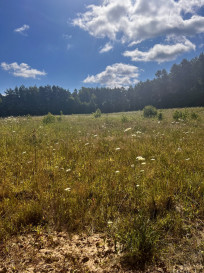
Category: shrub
[180,115]
[97,114]
[149,111]
[160,116]
[194,115]
[177,115]
[124,119]
[49,118]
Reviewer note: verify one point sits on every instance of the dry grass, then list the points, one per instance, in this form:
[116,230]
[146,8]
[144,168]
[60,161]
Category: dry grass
[82,174]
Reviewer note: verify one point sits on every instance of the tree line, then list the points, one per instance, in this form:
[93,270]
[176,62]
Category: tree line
[183,86]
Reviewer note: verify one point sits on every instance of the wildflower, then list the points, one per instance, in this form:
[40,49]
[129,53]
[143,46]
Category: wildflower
[179,149]
[137,185]
[117,171]
[95,135]
[159,122]
[187,159]
[117,149]
[132,166]
[141,171]
[56,167]
[110,222]
[86,144]
[128,129]
[143,163]
[29,162]
[138,132]
[23,152]
[140,158]
[133,135]
[68,170]
[67,189]
[14,131]
[152,159]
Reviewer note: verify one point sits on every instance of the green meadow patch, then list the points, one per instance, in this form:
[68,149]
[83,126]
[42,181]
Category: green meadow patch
[138,180]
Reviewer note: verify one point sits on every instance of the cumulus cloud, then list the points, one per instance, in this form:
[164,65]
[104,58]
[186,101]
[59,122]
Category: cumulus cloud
[161,53]
[106,48]
[22,70]
[22,30]
[116,75]
[138,20]
[190,5]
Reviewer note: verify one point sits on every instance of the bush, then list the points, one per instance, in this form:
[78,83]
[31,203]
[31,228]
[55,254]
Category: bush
[124,119]
[179,115]
[194,115]
[97,114]
[149,111]
[49,118]
[160,116]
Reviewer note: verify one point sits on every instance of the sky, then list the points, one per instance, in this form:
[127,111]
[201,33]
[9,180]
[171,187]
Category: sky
[111,43]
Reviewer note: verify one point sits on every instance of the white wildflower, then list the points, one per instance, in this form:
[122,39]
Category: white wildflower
[138,132]
[143,163]
[187,159]
[117,171]
[128,129]
[141,171]
[133,135]
[132,166]
[86,144]
[67,189]
[95,135]
[110,222]
[152,159]
[68,170]
[117,149]
[23,152]
[140,158]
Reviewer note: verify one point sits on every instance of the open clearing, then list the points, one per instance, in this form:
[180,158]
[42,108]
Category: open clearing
[118,193]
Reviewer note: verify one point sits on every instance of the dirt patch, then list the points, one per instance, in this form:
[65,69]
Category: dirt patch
[58,252]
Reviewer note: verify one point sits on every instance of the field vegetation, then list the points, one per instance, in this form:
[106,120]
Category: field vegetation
[138,180]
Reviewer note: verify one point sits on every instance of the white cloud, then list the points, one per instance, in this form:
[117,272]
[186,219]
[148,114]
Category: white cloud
[160,53]
[22,30]
[22,70]
[190,5]
[138,20]
[106,48]
[67,36]
[116,75]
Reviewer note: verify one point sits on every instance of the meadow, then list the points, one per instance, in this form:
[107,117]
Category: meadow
[138,180]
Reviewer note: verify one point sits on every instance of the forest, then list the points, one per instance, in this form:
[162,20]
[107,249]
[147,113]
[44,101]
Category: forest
[183,86]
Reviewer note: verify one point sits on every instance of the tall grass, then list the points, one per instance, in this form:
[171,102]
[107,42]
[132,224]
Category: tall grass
[86,174]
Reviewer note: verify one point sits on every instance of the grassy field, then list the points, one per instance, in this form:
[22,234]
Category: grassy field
[136,179]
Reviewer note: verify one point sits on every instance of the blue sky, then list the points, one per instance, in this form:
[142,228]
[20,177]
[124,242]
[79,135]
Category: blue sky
[95,43]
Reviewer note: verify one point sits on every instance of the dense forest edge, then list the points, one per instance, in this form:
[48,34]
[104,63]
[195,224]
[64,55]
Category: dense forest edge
[183,86]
